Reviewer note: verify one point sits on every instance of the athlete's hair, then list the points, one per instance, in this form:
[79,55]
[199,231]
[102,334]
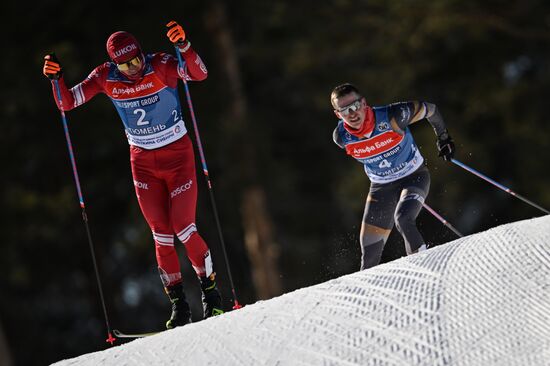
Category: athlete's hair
[341,90]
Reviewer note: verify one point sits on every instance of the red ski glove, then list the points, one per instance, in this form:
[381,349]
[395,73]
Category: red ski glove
[52,69]
[175,33]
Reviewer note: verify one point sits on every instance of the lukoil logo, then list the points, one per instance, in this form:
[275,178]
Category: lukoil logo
[181,189]
[141,185]
[125,50]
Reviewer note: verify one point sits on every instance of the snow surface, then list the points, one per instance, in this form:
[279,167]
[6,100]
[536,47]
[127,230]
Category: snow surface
[480,300]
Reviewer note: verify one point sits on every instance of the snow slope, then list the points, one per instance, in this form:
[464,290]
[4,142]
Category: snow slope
[480,300]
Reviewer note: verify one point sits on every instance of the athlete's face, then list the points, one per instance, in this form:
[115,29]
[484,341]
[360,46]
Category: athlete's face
[132,68]
[351,108]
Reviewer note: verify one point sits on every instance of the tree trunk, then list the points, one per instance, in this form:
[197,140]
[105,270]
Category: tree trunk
[5,356]
[257,223]
[262,250]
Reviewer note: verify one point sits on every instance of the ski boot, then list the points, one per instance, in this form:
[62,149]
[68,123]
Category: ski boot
[181,314]
[211,298]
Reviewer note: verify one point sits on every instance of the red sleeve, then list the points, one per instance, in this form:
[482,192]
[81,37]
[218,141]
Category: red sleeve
[82,92]
[166,65]
[193,67]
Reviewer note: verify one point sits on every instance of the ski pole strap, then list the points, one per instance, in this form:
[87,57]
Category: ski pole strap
[69,145]
[505,189]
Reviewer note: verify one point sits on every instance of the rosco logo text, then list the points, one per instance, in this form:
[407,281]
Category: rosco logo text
[181,189]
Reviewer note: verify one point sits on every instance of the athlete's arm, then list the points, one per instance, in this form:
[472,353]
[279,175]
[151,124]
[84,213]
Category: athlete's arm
[82,92]
[193,67]
[166,65]
[406,113]
[337,139]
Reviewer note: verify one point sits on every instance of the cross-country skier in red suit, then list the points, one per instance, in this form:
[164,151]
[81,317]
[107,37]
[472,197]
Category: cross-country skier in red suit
[143,88]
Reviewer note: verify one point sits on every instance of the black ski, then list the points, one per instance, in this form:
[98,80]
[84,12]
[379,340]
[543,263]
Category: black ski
[120,334]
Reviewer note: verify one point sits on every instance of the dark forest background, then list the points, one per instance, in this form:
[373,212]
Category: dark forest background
[290,201]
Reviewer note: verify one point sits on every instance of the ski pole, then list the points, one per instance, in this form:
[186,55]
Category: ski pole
[110,338]
[505,189]
[207,178]
[443,221]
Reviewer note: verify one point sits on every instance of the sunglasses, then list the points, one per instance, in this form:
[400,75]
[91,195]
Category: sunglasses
[125,66]
[353,107]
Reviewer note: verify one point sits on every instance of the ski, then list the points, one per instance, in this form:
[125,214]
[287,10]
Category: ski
[120,334]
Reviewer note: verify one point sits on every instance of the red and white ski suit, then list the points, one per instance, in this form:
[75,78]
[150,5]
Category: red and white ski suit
[161,152]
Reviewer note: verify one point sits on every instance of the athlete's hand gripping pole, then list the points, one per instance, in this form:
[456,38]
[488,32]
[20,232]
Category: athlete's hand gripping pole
[52,68]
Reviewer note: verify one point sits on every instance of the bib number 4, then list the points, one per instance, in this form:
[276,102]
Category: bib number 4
[384,164]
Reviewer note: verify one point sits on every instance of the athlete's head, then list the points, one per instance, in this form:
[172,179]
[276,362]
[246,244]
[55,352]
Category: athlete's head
[350,106]
[125,51]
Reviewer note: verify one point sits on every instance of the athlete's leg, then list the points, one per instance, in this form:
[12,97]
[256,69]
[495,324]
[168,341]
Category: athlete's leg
[152,196]
[377,223]
[373,239]
[182,186]
[183,200]
[415,190]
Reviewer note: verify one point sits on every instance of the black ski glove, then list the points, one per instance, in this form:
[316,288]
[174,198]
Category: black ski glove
[445,146]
